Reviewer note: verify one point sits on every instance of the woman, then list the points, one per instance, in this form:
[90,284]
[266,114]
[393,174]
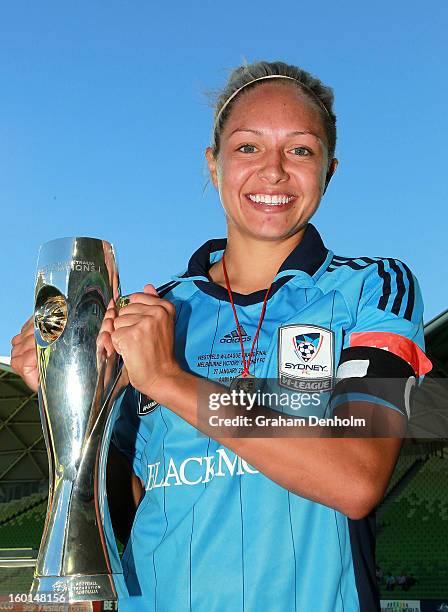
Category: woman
[230,523]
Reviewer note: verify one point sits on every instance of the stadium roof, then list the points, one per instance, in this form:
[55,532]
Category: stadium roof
[23,456]
[436,337]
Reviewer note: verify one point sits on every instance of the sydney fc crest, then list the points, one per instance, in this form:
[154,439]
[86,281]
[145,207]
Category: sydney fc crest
[307,346]
[305,357]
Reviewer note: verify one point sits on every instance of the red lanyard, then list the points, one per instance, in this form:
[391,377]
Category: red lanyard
[246,364]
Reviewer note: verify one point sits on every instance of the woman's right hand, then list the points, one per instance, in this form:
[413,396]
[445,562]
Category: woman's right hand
[23,355]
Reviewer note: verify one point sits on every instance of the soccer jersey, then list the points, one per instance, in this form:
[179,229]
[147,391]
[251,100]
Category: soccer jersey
[212,533]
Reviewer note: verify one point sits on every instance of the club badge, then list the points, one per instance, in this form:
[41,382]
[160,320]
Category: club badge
[305,357]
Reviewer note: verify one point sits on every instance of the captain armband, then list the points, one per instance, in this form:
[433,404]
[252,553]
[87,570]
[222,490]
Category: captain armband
[374,375]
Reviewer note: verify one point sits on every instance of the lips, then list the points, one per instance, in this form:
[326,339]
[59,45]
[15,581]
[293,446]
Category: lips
[270,202]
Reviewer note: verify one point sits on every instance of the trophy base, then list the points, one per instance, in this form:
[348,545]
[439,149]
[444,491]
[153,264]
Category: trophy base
[73,589]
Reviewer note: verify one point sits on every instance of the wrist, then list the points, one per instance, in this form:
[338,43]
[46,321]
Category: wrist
[167,385]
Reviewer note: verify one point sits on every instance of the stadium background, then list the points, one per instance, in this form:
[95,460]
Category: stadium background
[412,520]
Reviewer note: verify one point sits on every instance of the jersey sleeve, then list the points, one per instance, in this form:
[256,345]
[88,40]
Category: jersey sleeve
[383,351]
[127,434]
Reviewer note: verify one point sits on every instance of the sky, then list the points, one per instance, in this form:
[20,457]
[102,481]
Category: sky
[105,115]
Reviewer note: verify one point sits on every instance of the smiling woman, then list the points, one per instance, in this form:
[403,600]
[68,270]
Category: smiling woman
[271,162]
[233,520]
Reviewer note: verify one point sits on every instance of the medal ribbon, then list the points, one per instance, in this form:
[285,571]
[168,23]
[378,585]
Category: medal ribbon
[246,364]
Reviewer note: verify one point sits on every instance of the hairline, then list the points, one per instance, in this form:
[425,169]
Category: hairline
[302,93]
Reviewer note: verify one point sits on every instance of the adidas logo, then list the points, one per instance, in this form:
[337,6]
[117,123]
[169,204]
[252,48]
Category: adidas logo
[234,337]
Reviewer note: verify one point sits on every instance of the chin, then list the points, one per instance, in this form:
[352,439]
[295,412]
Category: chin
[270,233]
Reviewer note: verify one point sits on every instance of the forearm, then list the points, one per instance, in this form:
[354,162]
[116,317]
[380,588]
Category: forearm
[338,472]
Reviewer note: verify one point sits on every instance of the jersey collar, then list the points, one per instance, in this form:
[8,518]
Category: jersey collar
[309,258]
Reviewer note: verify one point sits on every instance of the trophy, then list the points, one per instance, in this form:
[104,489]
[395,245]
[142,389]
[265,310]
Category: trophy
[76,279]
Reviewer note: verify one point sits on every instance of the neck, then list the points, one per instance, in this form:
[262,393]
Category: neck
[252,264]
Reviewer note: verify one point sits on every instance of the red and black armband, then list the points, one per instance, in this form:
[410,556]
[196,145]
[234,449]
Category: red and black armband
[375,375]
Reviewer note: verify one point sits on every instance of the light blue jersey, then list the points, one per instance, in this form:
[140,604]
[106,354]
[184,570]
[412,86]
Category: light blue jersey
[211,533]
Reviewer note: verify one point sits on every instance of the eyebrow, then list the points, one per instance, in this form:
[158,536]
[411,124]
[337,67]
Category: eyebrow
[289,134]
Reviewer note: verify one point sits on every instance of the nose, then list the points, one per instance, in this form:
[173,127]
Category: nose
[273,169]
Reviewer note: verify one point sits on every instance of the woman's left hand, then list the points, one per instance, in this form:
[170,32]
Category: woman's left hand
[144,336]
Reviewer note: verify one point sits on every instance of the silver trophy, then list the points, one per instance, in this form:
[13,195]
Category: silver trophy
[76,279]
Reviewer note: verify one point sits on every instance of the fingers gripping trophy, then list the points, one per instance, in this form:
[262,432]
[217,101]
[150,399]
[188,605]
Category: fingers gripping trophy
[79,383]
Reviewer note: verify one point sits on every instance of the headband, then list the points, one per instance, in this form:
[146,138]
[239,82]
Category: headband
[270,76]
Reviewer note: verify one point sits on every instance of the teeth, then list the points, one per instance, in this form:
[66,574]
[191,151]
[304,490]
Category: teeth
[274,200]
